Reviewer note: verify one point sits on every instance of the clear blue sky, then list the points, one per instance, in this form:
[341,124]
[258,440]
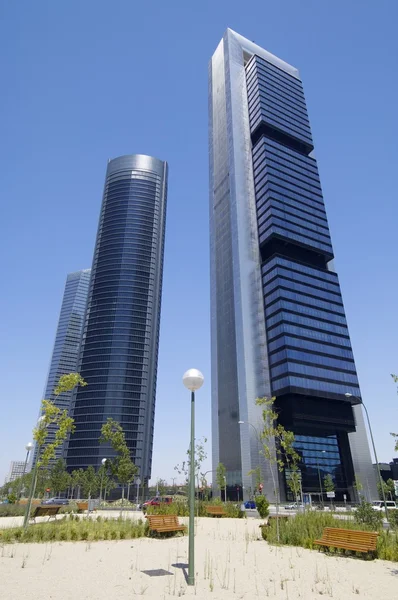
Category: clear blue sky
[86,81]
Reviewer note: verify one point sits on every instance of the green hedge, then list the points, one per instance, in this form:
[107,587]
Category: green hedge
[76,529]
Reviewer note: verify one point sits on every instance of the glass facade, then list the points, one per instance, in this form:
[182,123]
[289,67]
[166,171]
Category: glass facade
[278,320]
[65,355]
[120,342]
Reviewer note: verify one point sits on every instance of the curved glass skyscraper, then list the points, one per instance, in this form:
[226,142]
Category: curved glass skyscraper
[120,342]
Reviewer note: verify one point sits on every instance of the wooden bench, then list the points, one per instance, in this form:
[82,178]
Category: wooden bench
[164,523]
[46,511]
[348,539]
[82,506]
[215,511]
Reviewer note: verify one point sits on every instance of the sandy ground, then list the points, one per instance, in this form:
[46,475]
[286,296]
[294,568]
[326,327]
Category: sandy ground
[231,562]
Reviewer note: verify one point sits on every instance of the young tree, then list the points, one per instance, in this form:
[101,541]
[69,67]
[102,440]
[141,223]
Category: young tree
[62,425]
[277,445]
[90,482]
[200,457]
[257,482]
[221,479]
[328,485]
[121,466]
[76,480]
[293,478]
[59,477]
[161,485]
[388,488]
[358,486]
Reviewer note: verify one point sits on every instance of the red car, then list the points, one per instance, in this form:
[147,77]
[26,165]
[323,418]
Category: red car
[157,501]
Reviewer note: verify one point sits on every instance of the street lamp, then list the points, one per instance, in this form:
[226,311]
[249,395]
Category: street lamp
[319,477]
[28,448]
[103,462]
[348,395]
[193,380]
[257,437]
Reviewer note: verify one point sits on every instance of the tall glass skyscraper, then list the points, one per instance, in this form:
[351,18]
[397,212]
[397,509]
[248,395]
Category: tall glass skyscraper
[278,326]
[65,354]
[120,343]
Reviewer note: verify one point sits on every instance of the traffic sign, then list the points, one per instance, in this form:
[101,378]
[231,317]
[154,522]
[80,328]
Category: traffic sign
[330,494]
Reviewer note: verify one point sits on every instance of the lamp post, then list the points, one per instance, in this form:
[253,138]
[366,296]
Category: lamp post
[348,395]
[319,477]
[258,441]
[193,380]
[103,462]
[28,448]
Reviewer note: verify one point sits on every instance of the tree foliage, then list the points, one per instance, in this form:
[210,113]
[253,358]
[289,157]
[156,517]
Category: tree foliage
[277,442]
[59,478]
[328,483]
[200,457]
[221,480]
[388,488]
[61,422]
[121,466]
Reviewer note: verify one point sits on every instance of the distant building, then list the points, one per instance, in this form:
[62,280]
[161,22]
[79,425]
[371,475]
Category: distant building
[388,470]
[394,469]
[16,470]
[65,354]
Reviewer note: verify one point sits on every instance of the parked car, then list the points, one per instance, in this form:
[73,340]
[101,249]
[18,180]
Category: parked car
[157,501]
[294,506]
[58,501]
[379,505]
[250,504]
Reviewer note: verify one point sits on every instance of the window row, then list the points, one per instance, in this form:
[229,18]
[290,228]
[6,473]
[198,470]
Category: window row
[276,89]
[328,283]
[304,298]
[261,105]
[273,185]
[314,385]
[289,234]
[279,124]
[286,317]
[294,307]
[311,334]
[284,218]
[305,208]
[312,371]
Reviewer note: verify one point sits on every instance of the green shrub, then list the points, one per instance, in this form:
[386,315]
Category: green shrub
[367,516]
[304,529]
[11,498]
[387,546]
[262,506]
[393,518]
[68,529]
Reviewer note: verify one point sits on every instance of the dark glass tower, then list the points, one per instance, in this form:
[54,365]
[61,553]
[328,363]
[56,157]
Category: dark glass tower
[278,320]
[65,354]
[119,350]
